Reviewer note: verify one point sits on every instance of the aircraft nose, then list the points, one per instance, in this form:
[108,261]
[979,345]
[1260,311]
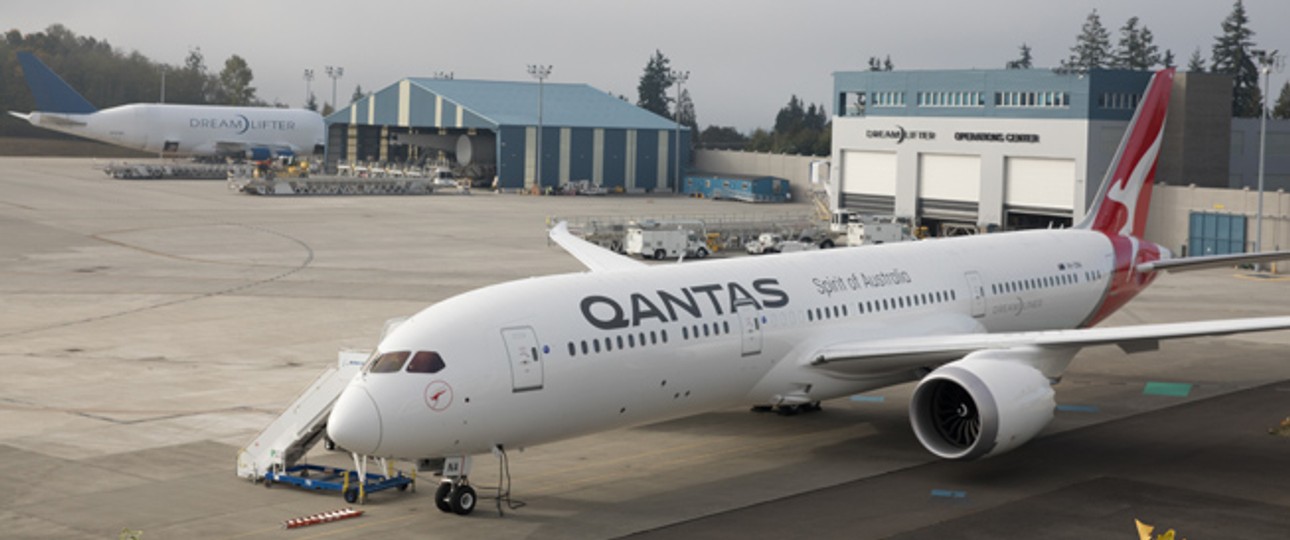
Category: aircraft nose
[355,422]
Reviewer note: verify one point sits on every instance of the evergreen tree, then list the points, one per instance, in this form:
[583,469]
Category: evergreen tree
[685,114]
[358,94]
[1196,64]
[1168,60]
[1282,109]
[654,84]
[1092,48]
[1026,61]
[1136,49]
[312,104]
[722,138]
[1231,55]
[235,82]
[327,109]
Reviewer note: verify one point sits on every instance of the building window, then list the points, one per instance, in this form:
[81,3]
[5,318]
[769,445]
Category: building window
[951,99]
[1118,101]
[1032,100]
[887,99]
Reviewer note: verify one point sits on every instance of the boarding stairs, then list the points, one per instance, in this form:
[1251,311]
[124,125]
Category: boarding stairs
[289,437]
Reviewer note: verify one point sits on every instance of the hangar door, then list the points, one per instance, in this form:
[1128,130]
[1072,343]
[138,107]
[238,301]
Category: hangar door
[869,181]
[949,186]
[1039,184]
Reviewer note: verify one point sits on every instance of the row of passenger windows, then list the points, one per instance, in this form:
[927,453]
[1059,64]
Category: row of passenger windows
[645,339]
[391,362]
[1093,275]
[1031,284]
[882,304]
[623,341]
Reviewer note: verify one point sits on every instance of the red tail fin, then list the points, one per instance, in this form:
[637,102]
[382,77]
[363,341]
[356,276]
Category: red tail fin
[1122,202]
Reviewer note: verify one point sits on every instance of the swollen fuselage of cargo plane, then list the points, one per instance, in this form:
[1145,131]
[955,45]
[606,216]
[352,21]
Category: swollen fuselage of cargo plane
[182,130]
[193,129]
[985,324]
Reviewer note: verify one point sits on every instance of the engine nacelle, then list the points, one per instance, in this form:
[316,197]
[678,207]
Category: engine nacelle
[980,406]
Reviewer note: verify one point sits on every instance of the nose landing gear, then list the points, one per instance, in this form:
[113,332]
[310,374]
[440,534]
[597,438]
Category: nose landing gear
[455,496]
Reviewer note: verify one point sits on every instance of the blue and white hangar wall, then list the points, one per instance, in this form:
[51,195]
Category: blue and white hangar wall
[1015,148]
[490,129]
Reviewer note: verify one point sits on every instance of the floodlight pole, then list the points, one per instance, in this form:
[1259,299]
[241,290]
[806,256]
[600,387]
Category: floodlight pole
[539,72]
[309,79]
[678,77]
[334,73]
[1267,60]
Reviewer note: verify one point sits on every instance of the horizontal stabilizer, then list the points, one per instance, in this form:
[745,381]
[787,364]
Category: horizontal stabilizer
[51,92]
[1211,261]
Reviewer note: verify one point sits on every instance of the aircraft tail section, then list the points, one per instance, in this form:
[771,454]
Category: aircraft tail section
[51,92]
[1125,196]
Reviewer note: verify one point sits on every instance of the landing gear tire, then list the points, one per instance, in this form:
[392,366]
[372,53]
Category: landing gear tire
[441,497]
[328,444]
[463,500]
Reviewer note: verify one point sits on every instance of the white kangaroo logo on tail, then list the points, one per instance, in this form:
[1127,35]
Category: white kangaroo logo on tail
[1126,192]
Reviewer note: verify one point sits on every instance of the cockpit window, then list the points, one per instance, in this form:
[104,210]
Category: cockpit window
[390,362]
[426,362]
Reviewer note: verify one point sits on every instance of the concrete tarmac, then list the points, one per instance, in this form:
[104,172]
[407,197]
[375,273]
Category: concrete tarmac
[152,328]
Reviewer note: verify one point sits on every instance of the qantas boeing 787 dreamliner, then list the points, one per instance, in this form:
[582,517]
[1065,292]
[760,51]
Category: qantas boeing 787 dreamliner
[986,324]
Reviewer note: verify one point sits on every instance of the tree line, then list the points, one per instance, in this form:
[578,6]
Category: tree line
[1233,53]
[805,130]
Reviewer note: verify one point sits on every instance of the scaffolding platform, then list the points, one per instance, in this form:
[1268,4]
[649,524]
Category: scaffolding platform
[166,171]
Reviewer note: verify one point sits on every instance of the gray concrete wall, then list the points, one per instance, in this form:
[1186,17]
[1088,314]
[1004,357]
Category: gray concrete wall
[1197,131]
[795,169]
[1171,207]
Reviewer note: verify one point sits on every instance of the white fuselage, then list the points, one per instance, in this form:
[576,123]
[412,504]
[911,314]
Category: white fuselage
[193,129]
[627,347]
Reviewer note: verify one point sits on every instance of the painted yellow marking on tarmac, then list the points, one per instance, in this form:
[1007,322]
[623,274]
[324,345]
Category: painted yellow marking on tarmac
[1256,277]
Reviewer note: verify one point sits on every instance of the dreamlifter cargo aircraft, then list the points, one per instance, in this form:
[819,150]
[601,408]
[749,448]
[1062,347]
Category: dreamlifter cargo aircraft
[987,324]
[176,130]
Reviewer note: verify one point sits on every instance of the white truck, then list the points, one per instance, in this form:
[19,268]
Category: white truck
[658,241]
[776,243]
[874,230]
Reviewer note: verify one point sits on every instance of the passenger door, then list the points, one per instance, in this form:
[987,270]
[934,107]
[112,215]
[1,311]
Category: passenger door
[526,358]
[749,327]
[977,292]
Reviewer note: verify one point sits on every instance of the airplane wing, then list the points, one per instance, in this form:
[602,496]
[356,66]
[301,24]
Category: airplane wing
[877,356]
[1211,261]
[595,258]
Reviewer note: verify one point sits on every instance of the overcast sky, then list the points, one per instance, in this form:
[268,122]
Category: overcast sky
[745,57]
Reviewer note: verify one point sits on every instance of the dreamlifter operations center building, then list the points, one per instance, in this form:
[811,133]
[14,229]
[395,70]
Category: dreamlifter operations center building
[1008,148]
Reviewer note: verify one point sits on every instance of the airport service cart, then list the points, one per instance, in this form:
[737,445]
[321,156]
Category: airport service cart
[317,477]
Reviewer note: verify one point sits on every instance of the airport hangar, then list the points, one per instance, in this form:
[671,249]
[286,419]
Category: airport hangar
[1024,148]
[492,129]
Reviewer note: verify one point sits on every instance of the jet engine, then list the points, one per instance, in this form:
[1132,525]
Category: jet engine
[980,406]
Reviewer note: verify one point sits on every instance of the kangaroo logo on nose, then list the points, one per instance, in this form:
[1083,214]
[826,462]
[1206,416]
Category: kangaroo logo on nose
[438,395]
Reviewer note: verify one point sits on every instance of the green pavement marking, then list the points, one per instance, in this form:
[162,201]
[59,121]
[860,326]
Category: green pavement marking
[1166,389]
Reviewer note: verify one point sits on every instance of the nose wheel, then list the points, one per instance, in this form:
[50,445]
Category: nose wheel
[455,496]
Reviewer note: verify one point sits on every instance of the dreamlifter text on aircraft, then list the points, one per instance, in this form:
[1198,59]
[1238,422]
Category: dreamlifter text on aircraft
[986,324]
[175,130]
